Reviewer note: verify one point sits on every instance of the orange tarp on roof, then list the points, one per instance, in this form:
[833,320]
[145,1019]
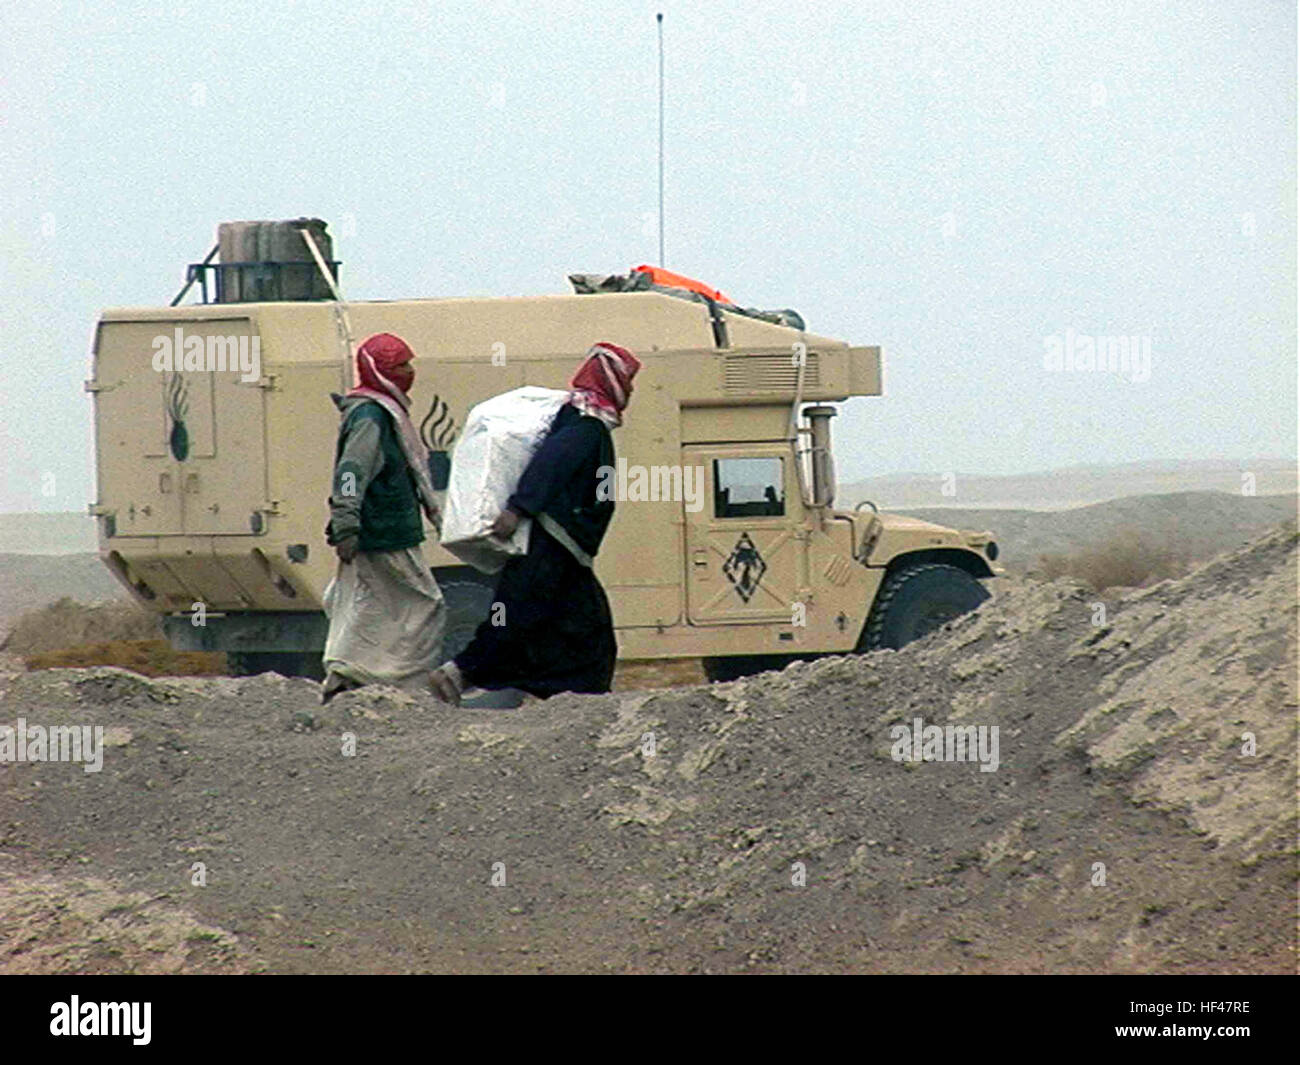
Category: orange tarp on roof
[660,276]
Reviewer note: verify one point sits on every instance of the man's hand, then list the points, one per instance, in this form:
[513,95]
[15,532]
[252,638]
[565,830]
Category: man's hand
[346,548]
[506,523]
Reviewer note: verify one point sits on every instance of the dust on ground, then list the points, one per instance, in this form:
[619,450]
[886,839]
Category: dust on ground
[761,825]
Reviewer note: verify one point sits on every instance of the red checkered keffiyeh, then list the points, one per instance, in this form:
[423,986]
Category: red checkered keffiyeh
[603,383]
[382,375]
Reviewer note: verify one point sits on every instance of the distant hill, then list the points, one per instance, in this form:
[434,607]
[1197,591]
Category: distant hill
[1194,524]
[30,581]
[72,533]
[48,534]
[1072,486]
[1197,524]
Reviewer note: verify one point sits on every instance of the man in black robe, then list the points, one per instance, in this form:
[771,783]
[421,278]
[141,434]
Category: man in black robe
[550,629]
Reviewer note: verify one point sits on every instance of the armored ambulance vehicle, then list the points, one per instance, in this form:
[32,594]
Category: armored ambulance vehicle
[215,434]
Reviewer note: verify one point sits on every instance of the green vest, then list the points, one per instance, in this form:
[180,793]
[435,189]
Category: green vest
[390,509]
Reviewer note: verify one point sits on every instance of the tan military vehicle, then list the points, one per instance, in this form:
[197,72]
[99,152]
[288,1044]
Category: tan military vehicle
[215,437]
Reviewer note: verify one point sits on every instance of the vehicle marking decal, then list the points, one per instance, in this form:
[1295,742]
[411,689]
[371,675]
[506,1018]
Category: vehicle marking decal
[178,405]
[745,567]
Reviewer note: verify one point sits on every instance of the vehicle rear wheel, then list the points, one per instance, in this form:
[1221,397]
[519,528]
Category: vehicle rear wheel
[286,663]
[916,600]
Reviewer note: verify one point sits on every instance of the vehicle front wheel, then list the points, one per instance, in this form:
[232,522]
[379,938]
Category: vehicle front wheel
[916,600]
[732,667]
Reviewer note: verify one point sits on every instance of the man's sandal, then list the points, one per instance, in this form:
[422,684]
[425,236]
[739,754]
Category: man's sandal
[335,683]
[447,683]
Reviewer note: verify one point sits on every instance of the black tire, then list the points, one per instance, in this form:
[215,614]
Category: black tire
[286,663]
[468,604]
[916,600]
[732,667]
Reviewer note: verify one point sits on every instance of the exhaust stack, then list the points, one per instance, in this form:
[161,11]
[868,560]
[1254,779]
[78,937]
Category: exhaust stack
[823,465]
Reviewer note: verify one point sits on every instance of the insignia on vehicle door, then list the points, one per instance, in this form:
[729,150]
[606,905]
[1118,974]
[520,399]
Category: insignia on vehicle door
[438,431]
[438,427]
[745,567]
[178,405]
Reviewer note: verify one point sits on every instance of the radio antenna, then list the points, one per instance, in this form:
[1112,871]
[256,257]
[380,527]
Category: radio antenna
[660,19]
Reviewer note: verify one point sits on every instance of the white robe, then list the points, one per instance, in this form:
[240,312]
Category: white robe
[387,619]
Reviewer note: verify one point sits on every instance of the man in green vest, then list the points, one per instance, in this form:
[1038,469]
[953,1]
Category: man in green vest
[386,614]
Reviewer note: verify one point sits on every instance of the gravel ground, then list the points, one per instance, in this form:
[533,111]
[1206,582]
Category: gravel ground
[756,826]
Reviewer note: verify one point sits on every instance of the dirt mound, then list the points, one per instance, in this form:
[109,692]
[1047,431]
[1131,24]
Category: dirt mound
[151,658]
[67,633]
[69,925]
[765,824]
[68,623]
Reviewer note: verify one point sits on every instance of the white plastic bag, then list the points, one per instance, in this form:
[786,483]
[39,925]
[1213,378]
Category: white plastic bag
[500,436]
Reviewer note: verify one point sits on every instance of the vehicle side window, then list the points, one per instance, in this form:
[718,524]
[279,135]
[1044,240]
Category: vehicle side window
[748,488]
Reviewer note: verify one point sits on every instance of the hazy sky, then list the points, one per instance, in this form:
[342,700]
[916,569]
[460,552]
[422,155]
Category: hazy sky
[955,182]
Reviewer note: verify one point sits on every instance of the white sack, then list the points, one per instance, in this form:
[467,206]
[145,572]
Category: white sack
[500,436]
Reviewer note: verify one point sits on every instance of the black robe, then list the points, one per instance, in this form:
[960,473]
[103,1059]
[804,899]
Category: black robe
[558,633]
